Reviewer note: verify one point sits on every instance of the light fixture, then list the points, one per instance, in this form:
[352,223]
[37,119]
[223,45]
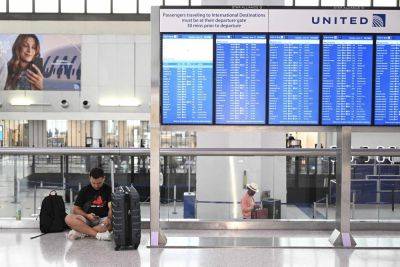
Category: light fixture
[24,101]
[86,104]
[120,102]
[21,101]
[64,103]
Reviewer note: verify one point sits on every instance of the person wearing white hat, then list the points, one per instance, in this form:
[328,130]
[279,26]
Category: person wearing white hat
[247,202]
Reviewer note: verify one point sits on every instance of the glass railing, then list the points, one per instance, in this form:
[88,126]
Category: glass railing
[205,187]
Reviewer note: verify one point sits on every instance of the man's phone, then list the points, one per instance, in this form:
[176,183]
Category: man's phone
[38,62]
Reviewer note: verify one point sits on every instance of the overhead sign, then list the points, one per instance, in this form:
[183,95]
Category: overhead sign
[213,20]
[280,20]
[334,20]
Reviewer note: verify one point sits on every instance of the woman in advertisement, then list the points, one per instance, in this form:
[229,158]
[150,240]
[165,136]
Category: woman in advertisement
[25,66]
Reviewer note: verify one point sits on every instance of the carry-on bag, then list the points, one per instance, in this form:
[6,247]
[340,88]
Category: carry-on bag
[126,218]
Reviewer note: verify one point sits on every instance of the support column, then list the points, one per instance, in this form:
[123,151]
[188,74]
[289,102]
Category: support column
[157,238]
[95,161]
[341,236]
[96,133]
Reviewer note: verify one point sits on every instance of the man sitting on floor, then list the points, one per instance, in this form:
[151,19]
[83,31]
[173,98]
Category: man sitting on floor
[91,213]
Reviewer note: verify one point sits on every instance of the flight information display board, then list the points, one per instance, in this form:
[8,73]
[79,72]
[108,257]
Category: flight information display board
[240,79]
[347,79]
[187,79]
[387,82]
[293,79]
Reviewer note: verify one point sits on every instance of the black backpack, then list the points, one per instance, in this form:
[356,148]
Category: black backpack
[52,214]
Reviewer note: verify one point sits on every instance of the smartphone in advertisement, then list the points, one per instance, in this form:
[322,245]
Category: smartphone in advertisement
[38,62]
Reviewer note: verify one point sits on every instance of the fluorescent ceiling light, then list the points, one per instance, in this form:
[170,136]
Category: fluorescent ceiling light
[119,102]
[21,101]
[24,101]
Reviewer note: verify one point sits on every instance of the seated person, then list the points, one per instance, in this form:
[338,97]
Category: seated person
[91,213]
[247,202]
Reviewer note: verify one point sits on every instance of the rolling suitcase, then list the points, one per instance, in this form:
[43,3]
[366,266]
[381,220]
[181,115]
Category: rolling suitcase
[126,218]
[259,214]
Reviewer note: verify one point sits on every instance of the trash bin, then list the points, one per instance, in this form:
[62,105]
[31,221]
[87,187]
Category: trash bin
[189,205]
[274,208]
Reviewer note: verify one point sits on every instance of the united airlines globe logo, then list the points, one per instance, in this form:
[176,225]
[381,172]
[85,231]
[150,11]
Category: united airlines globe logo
[379,20]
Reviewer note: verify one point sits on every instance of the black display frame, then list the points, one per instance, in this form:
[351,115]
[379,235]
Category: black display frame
[267,34]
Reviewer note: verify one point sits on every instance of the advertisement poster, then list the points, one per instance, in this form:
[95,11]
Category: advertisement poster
[40,62]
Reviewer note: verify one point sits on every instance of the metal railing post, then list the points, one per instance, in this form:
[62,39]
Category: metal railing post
[326,206]
[34,214]
[64,188]
[174,212]
[314,207]
[353,204]
[112,171]
[392,200]
[189,173]
[71,196]
[16,181]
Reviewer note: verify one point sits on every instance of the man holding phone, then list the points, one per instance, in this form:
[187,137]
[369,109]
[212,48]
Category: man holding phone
[91,213]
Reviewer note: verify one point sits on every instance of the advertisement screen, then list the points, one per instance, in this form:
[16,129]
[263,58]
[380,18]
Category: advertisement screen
[40,62]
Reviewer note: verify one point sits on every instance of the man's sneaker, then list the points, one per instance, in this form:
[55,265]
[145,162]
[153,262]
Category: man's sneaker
[106,236]
[73,235]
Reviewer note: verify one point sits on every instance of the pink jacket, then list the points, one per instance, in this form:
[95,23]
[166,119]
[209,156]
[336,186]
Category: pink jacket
[247,204]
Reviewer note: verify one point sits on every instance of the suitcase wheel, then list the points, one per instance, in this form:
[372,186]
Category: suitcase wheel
[117,248]
[135,246]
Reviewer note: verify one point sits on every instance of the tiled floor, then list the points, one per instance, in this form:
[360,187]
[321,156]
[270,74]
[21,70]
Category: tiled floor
[17,249]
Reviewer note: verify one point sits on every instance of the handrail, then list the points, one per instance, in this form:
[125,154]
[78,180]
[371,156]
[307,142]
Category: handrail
[247,152]
[168,151]
[193,151]
[72,151]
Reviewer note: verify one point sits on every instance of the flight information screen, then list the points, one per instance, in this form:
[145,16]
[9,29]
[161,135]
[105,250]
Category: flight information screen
[293,79]
[387,82]
[240,79]
[187,79]
[347,80]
